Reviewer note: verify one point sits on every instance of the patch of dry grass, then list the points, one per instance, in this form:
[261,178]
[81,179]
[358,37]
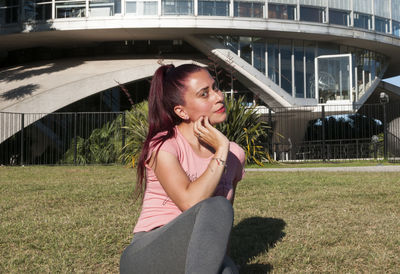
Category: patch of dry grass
[79,219]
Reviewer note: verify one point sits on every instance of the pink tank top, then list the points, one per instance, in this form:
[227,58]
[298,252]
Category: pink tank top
[157,207]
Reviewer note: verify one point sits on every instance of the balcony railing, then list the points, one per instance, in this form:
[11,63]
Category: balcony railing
[384,19]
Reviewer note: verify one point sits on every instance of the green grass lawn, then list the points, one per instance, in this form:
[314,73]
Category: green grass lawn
[79,219]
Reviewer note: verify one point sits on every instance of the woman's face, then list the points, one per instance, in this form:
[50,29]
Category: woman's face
[203,98]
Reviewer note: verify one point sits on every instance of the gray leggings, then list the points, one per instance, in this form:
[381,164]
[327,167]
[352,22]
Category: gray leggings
[194,242]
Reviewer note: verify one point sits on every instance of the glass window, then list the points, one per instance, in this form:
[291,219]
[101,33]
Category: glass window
[339,17]
[273,60]
[177,7]
[309,51]
[232,43]
[42,10]
[285,47]
[70,9]
[299,69]
[214,8]
[117,6]
[279,11]
[381,24]
[248,9]
[101,8]
[29,10]
[328,48]
[362,20]
[312,14]
[245,49]
[9,12]
[333,78]
[396,28]
[259,54]
[130,7]
[150,7]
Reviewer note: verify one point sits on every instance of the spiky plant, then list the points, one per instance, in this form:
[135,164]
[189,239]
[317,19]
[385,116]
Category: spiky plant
[244,126]
[137,127]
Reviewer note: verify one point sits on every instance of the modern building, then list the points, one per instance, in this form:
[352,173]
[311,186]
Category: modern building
[287,53]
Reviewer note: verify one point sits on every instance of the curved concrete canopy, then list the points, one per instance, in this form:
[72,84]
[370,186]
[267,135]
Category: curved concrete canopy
[46,87]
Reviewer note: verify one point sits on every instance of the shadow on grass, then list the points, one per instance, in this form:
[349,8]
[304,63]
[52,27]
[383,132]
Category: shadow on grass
[254,236]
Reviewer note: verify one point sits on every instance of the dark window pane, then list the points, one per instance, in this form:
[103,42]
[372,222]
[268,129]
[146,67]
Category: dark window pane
[338,17]
[381,24]
[311,14]
[279,11]
[362,21]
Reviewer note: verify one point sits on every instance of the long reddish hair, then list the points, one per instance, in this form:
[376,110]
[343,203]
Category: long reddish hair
[166,92]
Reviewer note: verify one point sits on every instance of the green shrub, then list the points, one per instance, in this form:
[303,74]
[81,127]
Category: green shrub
[244,126]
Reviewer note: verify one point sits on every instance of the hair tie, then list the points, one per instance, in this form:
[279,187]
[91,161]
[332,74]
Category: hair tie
[169,68]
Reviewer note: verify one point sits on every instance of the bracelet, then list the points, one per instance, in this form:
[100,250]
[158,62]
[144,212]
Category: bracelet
[220,162]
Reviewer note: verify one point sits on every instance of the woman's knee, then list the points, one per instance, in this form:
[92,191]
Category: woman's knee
[220,206]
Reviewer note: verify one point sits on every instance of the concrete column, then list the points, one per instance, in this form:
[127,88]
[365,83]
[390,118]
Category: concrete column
[279,63]
[196,7]
[231,8]
[293,72]
[298,10]
[351,13]
[266,59]
[304,71]
[53,9]
[159,8]
[87,8]
[391,18]
[373,14]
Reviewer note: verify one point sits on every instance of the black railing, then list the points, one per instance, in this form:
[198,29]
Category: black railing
[60,138]
[332,132]
[297,134]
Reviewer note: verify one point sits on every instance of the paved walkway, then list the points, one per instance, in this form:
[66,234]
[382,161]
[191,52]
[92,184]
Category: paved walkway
[377,168]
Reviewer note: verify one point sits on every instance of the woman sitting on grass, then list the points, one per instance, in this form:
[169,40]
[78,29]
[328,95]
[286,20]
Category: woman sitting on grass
[191,172]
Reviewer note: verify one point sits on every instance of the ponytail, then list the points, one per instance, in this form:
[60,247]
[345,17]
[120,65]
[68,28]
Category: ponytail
[166,92]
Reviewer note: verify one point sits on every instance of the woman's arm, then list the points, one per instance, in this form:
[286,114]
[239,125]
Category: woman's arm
[173,178]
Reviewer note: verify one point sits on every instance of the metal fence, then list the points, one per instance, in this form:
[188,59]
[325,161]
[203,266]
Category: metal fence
[329,132]
[60,138]
[297,134]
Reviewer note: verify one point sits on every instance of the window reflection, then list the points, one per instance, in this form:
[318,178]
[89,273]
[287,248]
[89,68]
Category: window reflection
[339,17]
[9,11]
[280,11]
[273,60]
[312,14]
[396,28]
[248,9]
[285,47]
[362,21]
[309,51]
[214,8]
[299,69]
[141,7]
[245,49]
[101,8]
[43,10]
[259,54]
[177,7]
[67,9]
[381,24]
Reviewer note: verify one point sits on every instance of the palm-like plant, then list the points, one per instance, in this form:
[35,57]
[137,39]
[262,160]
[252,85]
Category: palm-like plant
[244,126]
[137,128]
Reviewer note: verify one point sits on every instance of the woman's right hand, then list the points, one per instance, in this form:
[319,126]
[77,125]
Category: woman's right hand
[209,135]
